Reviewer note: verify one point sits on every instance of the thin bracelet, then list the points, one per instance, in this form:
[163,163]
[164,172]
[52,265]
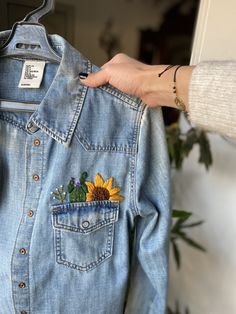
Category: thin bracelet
[166,69]
[178,101]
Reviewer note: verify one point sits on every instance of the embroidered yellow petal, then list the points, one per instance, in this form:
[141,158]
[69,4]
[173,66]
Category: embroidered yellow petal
[98,182]
[102,190]
[90,186]
[105,184]
[89,197]
[116,197]
[108,184]
[114,191]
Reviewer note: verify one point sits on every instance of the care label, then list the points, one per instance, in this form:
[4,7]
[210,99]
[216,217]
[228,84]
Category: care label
[32,74]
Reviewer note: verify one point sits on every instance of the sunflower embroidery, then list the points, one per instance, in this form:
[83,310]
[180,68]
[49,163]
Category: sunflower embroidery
[100,190]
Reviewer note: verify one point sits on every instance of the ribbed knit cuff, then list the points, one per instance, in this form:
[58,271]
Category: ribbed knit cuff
[212,96]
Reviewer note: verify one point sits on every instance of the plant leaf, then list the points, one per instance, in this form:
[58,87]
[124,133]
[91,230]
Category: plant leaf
[180,214]
[205,152]
[191,140]
[178,223]
[193,243]
[176,255]
[195,224]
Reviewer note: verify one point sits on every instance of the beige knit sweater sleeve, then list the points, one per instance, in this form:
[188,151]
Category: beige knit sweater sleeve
[212,97]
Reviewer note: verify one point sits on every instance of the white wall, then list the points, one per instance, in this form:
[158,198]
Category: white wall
[215,31]
[207,282]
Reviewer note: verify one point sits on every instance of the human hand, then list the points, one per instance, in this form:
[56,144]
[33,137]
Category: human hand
[137,79]
[123,72]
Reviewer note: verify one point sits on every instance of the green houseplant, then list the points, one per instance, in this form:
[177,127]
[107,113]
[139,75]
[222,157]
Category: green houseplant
[179,146]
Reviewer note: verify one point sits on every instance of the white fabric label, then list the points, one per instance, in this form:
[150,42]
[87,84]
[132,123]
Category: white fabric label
[32,74]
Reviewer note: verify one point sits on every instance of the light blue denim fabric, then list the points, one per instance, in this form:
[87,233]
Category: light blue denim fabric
[81,257]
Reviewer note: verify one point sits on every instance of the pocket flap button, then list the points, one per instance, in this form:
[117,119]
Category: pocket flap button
[85,224]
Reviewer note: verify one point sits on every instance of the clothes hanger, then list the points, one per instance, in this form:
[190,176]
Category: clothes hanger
[28,40]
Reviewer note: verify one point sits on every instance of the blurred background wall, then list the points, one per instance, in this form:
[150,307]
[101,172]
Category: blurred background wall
[207,281]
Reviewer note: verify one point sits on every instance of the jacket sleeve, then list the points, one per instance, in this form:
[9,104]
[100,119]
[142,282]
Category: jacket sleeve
[149,270]
[212,97]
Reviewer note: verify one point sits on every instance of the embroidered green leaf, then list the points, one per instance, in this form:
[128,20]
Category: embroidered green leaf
[83,177]
[77,190]
[71,185]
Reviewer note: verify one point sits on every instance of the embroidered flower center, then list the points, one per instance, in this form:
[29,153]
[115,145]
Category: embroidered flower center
[100,194]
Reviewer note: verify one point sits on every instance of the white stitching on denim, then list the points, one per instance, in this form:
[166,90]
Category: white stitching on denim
[108,148]
[114,205]
[17,124]
[91,265]
[79,100]
[133,168]
[65,136]
[132,102]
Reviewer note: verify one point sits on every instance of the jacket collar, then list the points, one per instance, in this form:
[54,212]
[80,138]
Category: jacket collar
[59,111]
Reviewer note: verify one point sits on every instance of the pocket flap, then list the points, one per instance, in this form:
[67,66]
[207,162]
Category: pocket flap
[84,217]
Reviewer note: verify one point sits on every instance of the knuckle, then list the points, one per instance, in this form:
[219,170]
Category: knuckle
[119,56]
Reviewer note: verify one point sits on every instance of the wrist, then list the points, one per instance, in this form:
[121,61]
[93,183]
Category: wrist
[182,83]
[158,91]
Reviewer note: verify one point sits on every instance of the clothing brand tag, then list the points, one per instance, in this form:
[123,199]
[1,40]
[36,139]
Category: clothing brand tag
[32,74]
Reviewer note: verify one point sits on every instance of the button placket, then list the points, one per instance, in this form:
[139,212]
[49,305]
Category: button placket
[20,261]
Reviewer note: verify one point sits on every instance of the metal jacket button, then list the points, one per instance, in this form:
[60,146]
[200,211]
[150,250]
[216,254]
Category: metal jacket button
[22,284]
[22,251]
[85,224]
[35,177]
[37,142]
[32,127]
[30,213]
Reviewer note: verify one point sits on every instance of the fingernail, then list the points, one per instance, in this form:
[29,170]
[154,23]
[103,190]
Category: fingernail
[83,75]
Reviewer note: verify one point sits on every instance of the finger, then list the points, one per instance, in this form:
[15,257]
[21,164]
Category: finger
[94,79]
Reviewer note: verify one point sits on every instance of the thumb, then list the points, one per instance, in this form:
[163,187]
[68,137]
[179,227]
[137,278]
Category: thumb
[94,79]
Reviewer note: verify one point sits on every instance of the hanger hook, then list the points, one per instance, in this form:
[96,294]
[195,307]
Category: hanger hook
[46,8]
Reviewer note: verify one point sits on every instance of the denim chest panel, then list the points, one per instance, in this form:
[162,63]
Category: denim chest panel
[106,133]
[75,175]
[117,120]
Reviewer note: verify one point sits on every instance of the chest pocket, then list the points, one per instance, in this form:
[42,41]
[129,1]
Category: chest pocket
[84,232]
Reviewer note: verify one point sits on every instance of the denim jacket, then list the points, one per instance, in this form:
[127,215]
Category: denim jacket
[84,196]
